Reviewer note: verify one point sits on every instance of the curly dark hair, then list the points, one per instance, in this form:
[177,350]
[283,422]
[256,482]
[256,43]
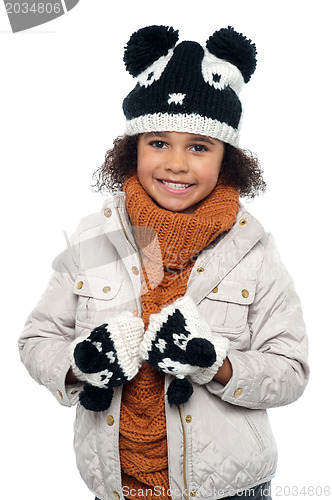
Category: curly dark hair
[240,168]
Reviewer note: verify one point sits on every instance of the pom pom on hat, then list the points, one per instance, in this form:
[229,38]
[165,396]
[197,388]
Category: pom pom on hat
[235,48]
[146,46]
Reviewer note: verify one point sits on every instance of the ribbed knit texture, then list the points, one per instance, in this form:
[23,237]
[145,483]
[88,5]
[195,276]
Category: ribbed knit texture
[169,261]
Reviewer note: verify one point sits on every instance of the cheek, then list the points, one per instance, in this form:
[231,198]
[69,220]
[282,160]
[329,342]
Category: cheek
[140,174]
[212,182]
[142,160]
[218,167]
[144,171]
[212,173]
[142,166]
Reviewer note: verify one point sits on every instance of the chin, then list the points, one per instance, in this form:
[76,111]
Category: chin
[176,208]
[187,210]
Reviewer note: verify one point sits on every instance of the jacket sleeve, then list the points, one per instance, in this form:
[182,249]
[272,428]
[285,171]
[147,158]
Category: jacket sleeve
[274,372]
[50,328]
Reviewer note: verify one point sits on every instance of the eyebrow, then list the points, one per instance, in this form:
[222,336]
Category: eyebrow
[199,138]
[154,134]
[203,138]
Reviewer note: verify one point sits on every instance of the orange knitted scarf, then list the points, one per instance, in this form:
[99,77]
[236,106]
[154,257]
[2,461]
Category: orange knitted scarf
[167,262]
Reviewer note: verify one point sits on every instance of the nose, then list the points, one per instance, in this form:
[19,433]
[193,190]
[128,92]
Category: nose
[177,162]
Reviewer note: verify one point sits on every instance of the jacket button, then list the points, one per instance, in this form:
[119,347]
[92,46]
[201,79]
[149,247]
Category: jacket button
[59,394]
[193,493]
[79,285]
[215,290]
[107,212]
[135,270]
[200,270]
[110,420]
[106,289]
[242,222]
[238,392]
[245,293]
[188,419]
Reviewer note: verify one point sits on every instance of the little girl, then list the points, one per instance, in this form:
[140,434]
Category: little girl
[170,320]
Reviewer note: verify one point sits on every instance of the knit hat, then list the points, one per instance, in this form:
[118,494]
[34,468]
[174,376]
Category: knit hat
[187,87]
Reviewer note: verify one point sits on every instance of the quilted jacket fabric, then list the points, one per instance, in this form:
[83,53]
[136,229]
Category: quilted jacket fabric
[220,442]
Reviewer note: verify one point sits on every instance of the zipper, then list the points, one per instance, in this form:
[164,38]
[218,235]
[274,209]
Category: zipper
[184,453]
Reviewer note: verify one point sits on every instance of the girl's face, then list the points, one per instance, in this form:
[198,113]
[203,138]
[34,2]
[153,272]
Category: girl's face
[177,169]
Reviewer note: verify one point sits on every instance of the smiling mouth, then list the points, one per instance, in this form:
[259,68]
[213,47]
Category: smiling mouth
[175,185]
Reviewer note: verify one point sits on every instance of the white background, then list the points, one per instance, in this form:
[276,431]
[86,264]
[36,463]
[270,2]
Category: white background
[62,86]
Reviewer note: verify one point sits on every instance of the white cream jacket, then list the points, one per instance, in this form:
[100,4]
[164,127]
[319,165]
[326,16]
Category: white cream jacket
[220,442]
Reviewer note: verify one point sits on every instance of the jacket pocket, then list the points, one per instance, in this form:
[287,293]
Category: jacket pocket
[227,306]
[97,299]
[248,417]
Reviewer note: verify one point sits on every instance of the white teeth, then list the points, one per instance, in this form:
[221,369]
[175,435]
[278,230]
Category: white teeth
[173,185]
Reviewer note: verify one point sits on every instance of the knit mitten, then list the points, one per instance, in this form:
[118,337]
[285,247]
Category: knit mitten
[106,358]
[179,341]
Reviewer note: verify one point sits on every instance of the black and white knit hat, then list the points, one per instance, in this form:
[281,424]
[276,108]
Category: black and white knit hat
[185,87]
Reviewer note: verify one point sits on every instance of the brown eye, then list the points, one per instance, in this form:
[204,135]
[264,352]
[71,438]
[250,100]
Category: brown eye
[199,148]
[158,144]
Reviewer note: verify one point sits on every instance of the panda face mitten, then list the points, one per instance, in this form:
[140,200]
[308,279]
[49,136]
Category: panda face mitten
[178,341]
[105,358]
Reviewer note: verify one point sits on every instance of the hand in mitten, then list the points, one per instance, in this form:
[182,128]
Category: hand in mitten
[106,358]
[179,341]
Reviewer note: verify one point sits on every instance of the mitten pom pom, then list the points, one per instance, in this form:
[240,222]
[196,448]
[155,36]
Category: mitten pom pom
[86,357]
[201,352]
[235,48]
[96,399]
[146,45]
[179,391]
